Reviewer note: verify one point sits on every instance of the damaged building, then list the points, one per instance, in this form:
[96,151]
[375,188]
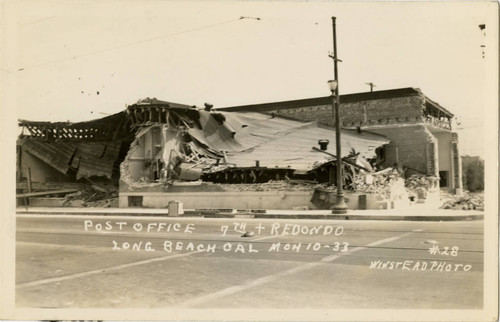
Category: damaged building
[55,159]
[157,151]
[422,141]
[266,156]
[211,159]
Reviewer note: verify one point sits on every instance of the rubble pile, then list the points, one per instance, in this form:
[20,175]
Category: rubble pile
[381,183]
[467,201]
[419,185]
[415,182]
[91,197]
[278,185]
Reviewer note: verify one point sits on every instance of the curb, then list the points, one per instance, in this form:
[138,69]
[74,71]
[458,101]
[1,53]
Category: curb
[253,214]
[353,217]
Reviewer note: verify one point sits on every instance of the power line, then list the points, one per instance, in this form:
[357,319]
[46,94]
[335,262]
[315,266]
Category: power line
[134,43]
[37,21]
[255,18]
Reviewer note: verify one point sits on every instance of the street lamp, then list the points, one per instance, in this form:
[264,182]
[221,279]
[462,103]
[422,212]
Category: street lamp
[340,206]
[332,83]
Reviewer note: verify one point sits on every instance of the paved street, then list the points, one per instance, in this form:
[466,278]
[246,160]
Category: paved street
[96,261]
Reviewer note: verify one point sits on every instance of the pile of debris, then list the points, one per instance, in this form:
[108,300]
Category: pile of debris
[92,196]
[467,201]
[381,183]
[47,186]
[278,185]
[419,185]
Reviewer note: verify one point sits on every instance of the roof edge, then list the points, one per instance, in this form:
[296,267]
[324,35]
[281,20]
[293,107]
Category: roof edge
[345,98]
[438,106]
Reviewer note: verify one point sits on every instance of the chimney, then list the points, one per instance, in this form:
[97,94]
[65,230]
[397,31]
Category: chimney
[208,107]
[323,144]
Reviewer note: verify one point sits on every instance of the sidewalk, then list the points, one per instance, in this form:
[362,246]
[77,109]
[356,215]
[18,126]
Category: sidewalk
[413,214]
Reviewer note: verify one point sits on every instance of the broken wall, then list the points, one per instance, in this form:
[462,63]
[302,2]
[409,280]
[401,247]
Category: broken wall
[412,147]
[450,164]
[145,150]
[445,160]
[150,158]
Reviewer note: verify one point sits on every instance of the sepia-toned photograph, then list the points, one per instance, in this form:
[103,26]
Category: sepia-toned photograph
[249,160]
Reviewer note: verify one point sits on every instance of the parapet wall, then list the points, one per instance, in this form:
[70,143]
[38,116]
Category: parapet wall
[396,110]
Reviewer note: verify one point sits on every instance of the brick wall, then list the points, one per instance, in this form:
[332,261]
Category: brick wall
[398,118]
[321,113]
[363,113]
[414,146]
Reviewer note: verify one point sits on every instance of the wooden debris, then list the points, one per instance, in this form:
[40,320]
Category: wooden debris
[45,193]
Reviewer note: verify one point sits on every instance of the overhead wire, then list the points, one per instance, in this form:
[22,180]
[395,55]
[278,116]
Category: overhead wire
[129,44]
[37,21]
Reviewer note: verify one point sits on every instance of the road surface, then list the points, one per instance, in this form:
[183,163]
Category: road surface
[96,261]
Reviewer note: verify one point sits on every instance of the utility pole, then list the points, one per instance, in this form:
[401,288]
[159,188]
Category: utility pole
[340,206]
[371,86]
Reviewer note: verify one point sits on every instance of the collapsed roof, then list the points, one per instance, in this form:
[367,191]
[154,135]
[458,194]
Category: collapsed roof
[208,140]
[85,159]
[277,142]
[185,143]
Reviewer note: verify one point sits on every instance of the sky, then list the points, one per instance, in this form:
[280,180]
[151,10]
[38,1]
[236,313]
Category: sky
[80,60]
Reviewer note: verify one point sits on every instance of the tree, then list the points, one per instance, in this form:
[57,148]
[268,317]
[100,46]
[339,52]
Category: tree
[473,173]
